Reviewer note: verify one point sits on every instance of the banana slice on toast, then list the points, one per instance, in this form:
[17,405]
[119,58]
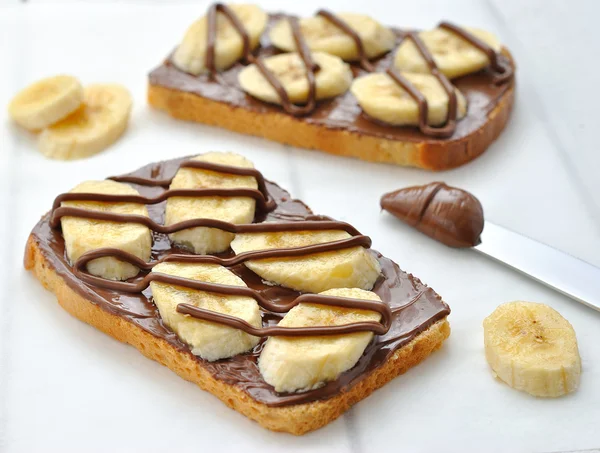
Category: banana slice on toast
[323,36]
[211,341]
[452,54]
[83,235]
[382,98]
[190,56]
[203,240]
[333,78]
[293,364]
[353,267]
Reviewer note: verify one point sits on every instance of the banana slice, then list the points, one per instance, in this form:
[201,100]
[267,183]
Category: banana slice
[83,235]
[190,56]
[453,55]
[532,348]
[333,78]
[211,341]
[235,210]
[348,268]
[97,124]
[321,35]
[383,99]
[296,364]
[46,102]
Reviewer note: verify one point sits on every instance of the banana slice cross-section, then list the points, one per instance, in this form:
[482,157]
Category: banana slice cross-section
[46,102]
[332,78]
[97,124]
[209,340]
[83,235]
[235,210]
[453,55]
[382,98]
[190,56]
[532,348]
[322,35]
[293,364]
[353,267]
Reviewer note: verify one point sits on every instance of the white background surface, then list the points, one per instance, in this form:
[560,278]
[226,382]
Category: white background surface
[67,387]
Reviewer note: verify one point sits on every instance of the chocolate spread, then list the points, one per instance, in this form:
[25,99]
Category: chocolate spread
[447,214]
[414,307]
[480,89]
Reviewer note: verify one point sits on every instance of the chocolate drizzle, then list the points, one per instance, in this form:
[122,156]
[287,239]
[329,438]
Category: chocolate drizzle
[447,214]
[414,307]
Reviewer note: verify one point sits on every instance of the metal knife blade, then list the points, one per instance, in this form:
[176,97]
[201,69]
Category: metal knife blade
[558,270]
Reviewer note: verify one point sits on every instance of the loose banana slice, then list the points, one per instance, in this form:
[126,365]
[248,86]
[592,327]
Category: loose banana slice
[321,35]
[97,124]
[296,364]
[532,348]
[235,210]
[211,341]
[190,56]
[46,102]
[453,55]
[383,99]
[347,268]
[83,235]
[333,78]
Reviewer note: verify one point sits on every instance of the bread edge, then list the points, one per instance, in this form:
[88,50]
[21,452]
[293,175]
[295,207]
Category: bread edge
[284,128]
[296,419]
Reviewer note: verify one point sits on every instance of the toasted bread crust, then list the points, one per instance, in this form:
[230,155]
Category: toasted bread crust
[295,419]
[281,127]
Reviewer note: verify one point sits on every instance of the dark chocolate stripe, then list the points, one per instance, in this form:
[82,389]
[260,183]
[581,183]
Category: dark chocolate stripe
[265,227]
[263,205]
[290,252]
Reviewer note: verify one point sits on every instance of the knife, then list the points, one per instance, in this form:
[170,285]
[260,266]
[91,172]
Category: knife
[558,270]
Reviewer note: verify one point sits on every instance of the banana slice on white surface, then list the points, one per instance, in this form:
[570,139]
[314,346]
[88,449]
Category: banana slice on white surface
[202,240]
[292,364]
[83,235]
[190,56]
[322,35]
[211,341]
[453,55]
[94,126]
[532,348]
[383,99]
[333,78]
[46,101]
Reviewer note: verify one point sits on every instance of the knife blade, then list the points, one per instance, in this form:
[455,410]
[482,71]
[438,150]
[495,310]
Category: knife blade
[558,270]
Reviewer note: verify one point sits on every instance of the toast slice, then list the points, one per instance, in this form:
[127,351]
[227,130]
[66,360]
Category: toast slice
[416,331]
[337,125]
